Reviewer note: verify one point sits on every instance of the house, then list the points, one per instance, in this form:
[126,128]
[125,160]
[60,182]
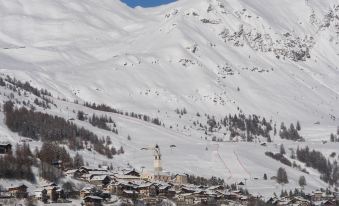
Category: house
[100,180]
[180,179]
[125,177]
[132,173]
[317,196]
[86,191]
[329,203]
[18,192]
[130,194]
[216,188]
[185,199]
[241,184]
[57,164]
[41,194]
[87,169]
[119,187]
[148,190]
[92,201]
[336,195]
[5,148]
[52,193]
[157,176]
[75,173]
[299,201]
[166,190]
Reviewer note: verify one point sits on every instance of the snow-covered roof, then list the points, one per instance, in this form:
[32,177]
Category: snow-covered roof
[99,177]
[130,192]
[93,197]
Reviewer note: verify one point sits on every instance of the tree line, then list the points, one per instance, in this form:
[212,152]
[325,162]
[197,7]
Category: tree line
[291,133]
[247,127]
[106,108]
[14,84]
[18,165]
[329,171]
[48,128]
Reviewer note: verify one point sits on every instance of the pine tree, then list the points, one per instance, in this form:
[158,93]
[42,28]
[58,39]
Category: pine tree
[298,127]
[78,161]
[302,181]
[282,176]
[332,138]
[81,115]
[282,149]
[265,176]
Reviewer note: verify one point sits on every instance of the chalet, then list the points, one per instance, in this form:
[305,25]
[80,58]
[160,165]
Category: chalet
[92,201]
[216,188]
[125,177]
[200,197]
[328,196]
[75,173]
[180,179]
[119,187]
[57,164]
[18,192]
[317,196]
[86,191]
[299,201]
[148,190]
[100,180]
[157,176]
[5,148]
[41,194]
[132,173]
[87,169]
[52,193]
[112,187]
[284,202]
[186,189]
[329,203]
[184,199]
[243,200]
[166,190]
[87,177]
[336,195]
[272,201]
[130,194]
[241,184]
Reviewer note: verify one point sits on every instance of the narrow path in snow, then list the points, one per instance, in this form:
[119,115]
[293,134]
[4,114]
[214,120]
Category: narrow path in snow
[243,167]
[224,163]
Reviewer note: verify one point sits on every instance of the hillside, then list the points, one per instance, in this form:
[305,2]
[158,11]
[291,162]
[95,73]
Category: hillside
[277,60]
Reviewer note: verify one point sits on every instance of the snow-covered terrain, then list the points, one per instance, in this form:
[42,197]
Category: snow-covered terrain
[277,59]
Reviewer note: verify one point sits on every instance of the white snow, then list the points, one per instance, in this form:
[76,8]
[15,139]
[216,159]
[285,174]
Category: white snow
[133,59]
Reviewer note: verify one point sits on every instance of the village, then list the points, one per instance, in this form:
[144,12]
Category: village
[157,187]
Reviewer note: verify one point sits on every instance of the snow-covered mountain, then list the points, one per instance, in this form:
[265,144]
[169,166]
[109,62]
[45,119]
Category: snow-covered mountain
[277,59]
[283,56]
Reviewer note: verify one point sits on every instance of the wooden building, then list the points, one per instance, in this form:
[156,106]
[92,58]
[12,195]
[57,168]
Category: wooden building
[5,148]
[18,192]
[100,180]
[92,201]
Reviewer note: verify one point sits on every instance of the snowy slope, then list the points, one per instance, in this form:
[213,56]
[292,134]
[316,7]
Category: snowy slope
[134,59]
[278,59]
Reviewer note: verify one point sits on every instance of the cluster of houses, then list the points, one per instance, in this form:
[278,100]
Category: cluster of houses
[130,187]
[149,188]
[317,198]
[50,193]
